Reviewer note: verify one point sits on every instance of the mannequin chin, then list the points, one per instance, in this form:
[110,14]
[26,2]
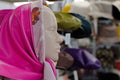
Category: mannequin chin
[52,38]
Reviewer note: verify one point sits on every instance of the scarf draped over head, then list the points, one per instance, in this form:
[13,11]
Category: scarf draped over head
[20,58]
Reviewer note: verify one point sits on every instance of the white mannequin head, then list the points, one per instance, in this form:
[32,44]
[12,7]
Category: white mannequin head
[52,38]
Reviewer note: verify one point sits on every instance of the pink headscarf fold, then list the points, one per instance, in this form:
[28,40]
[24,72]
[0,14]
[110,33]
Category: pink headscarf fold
[18,59]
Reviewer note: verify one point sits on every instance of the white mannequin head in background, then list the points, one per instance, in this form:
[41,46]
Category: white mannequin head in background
[52,38]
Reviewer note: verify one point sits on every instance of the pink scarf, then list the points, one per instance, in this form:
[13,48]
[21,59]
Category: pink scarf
[18,54]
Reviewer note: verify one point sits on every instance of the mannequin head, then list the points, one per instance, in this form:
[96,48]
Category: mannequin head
[52,38]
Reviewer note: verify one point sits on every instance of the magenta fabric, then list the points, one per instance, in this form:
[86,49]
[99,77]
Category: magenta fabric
[18,60]
[52,65]
[3,13]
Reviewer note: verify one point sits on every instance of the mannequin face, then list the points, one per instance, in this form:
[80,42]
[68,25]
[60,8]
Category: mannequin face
[52,38]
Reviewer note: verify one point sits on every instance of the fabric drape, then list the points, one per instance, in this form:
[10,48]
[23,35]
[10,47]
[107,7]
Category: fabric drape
[18,57]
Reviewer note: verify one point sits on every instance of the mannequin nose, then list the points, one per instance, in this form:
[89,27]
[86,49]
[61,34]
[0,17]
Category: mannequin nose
[60,38]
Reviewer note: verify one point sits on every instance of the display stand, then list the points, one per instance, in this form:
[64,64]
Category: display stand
[67,42]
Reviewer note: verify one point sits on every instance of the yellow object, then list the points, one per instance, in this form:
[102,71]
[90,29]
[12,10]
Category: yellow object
[118,31]
[66,21]
[66,8]
[45,4]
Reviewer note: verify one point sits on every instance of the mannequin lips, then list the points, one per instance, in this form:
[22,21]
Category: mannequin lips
[58,49]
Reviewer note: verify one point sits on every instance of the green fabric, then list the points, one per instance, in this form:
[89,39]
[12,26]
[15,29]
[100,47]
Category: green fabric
[66,21]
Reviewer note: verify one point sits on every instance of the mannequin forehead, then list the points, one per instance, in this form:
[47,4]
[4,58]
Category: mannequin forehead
[49,18]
